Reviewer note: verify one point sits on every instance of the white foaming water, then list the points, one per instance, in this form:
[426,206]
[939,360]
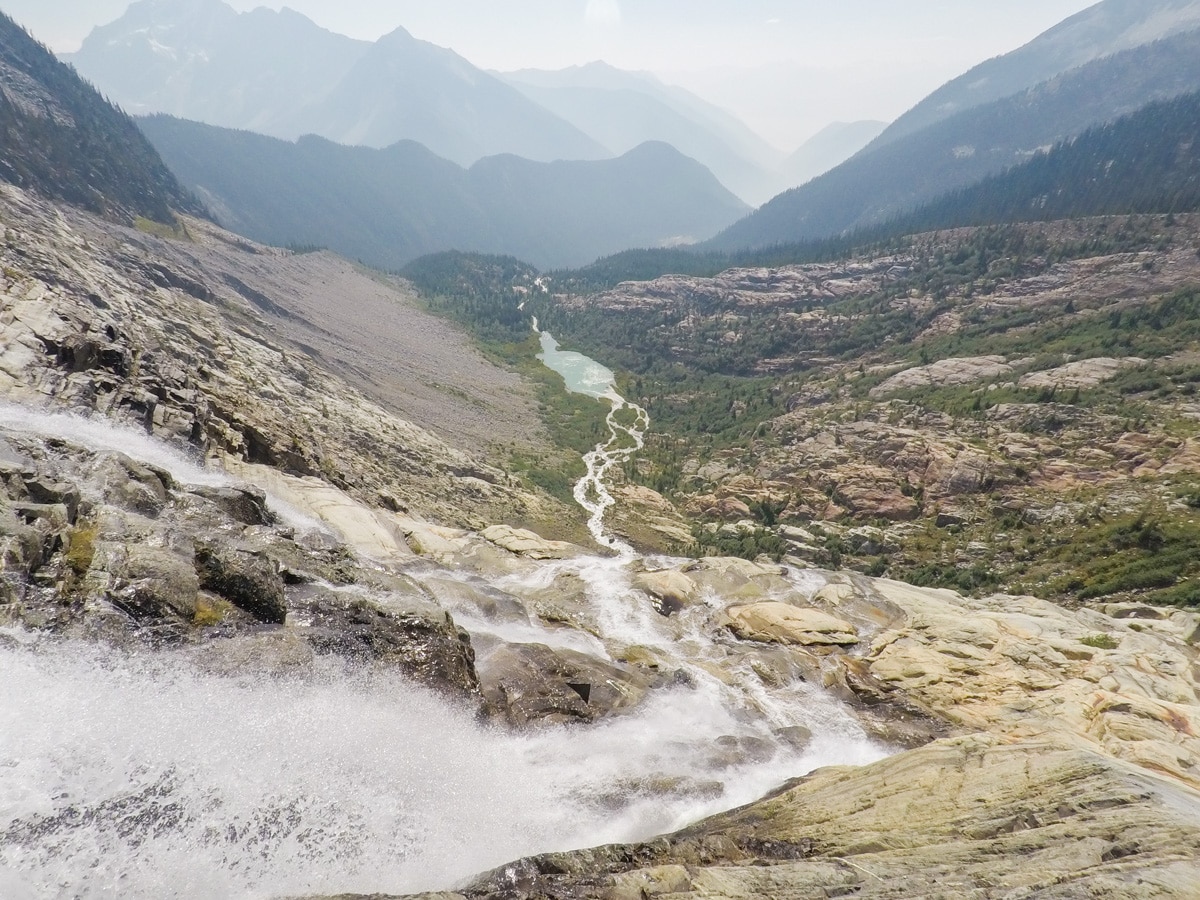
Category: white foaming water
[147,776]
[143,776]
[102,434]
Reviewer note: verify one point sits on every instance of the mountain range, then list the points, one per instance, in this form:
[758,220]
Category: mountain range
[280,74]
[389,206]
[1098,31]
[622,109]
[897,175]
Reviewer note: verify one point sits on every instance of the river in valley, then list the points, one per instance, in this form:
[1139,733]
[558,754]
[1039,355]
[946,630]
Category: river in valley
[627,424]
[146,774]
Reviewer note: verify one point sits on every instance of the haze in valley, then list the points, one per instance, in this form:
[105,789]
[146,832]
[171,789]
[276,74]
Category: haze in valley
[786,68]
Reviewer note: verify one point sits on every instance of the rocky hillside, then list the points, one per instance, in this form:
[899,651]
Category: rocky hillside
[62,139]
[186,337]
[1145,162]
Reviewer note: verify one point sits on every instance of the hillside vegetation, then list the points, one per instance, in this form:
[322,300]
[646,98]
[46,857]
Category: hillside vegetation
[61,138]
[887,180]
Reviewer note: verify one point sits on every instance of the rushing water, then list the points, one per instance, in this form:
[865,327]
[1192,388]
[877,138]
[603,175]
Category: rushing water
[149,775]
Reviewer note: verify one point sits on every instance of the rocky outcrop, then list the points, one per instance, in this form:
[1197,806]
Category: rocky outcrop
[211,343]
[1083,373]
[525,543]
[132,555]
[963,817]
[781,623]
[944,373]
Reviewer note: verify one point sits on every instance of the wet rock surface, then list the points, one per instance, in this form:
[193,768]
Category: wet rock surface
[533,683]
[1070,772]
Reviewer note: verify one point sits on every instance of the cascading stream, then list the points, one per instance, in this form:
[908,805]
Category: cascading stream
[146,774]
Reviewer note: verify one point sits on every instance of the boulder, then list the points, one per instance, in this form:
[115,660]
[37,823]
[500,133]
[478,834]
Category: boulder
[247,580]
[129,484]
[43,490]
[782,623]
[526,543]
[149,582]
[670,587]
[245,504]
[532,683]
[417,639]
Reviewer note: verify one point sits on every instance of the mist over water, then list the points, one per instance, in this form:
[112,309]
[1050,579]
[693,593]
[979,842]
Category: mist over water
[145,776]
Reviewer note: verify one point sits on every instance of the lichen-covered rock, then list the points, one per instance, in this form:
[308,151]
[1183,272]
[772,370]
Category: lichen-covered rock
[246,580]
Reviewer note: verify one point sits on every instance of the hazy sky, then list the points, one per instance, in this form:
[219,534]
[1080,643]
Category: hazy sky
[787,67]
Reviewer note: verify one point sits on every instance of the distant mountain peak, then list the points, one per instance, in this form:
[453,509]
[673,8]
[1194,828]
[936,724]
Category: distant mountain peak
[280,74]
[397,36]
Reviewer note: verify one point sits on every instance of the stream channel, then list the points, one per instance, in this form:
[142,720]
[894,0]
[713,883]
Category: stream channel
[144,774]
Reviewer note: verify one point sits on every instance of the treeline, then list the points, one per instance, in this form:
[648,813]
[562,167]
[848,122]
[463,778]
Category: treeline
[482,293]
[1145,163]
[61,138]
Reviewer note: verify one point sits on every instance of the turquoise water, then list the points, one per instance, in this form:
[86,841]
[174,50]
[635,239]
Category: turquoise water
[581,374]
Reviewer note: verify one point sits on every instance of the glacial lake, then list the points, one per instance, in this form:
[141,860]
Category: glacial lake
[582,374]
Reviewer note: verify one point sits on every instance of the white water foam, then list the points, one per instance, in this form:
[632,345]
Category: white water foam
[98,433]
[102,434]
[144,776]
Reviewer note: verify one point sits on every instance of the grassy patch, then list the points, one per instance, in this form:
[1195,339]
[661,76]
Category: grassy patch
[176,231]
